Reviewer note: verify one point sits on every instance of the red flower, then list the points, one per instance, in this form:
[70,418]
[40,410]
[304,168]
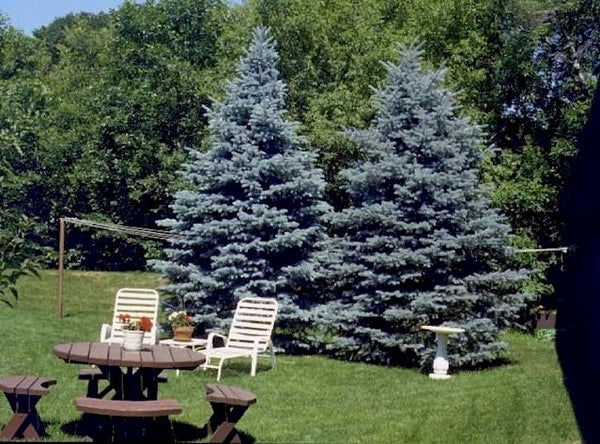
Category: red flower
[145,324]
[124,318]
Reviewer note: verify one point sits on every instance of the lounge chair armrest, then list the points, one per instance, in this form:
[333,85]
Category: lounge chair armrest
[105,332]
[210,339]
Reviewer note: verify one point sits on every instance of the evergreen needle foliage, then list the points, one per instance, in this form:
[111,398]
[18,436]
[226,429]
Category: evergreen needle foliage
[253,212]
[420,243]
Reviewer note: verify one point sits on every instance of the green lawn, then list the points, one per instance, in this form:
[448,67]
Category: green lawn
[307,399]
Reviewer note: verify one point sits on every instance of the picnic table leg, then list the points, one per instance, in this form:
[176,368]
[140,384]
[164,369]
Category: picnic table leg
[25,421]
[150,382]
[115,380]
[13,425]
[93,387]
[222,422]
[217,418]
[133,385]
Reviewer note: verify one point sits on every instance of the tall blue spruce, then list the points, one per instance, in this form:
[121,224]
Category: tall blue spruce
[420,243]
[252,214]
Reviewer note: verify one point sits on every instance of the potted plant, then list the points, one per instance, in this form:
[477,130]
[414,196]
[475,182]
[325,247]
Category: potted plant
[182,326]
[133,331]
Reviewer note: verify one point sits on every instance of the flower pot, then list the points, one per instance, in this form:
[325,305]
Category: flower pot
[132,340]
[183,334]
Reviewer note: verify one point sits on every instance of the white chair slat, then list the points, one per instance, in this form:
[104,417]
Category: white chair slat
[248,335]
[264,307]
[249,326]
[135,316]
[144,304]
[252,318]
[248,345]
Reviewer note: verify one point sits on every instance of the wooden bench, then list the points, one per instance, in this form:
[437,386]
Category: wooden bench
[128,420]
[94,375]
[23,393]
[228,404]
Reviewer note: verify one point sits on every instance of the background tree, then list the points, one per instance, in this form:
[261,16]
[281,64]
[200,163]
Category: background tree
[20,255]
[253,212]
[420,243]
[121,97]
[20,113]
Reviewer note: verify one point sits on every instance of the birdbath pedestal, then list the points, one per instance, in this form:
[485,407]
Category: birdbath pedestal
[440,363]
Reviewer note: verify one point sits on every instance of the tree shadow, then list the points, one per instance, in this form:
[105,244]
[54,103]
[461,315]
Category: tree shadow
[578,288]
[491,365]
[77,428]
[239,367]
[183,432]
[91,428]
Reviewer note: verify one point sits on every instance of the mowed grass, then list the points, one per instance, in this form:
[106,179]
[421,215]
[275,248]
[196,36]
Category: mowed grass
[306,399]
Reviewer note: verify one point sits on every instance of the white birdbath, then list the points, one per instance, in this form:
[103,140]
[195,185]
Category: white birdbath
[440,363]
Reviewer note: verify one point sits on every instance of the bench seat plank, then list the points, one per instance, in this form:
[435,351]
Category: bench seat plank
[40,387]
[229,395]
[9,383]
[26,385]
[107,407]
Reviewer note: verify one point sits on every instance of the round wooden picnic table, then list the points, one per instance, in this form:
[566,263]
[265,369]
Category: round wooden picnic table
[132,374]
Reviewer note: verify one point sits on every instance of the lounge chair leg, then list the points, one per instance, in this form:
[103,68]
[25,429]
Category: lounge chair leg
[220,367]
[273,362]
[254,361]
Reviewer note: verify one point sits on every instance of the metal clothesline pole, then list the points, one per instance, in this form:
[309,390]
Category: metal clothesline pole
[541,250]
[61,256]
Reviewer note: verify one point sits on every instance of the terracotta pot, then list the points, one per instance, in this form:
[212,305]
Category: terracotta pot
[132,340]
[183,334]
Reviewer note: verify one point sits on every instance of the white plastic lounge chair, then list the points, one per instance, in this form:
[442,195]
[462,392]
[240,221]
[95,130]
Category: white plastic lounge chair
[136,302]
[249,335]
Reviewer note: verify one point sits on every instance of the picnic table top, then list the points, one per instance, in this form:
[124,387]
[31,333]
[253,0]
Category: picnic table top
[106,354]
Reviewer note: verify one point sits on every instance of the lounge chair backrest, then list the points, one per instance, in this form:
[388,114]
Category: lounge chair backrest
[136,302]
[253,321]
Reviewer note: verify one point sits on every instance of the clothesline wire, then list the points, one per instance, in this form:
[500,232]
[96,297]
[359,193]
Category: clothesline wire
[134,231]
[164,235]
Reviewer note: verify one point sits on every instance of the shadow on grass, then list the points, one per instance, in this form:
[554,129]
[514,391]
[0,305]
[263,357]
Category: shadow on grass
[77,428]
[498,363]
[187,432]
[90,428]
[238,368]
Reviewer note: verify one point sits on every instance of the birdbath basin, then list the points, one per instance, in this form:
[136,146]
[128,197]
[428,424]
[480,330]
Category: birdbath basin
[440,363]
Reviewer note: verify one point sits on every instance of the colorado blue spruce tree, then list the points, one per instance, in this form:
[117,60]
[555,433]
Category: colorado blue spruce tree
[252,214]
[420,243]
